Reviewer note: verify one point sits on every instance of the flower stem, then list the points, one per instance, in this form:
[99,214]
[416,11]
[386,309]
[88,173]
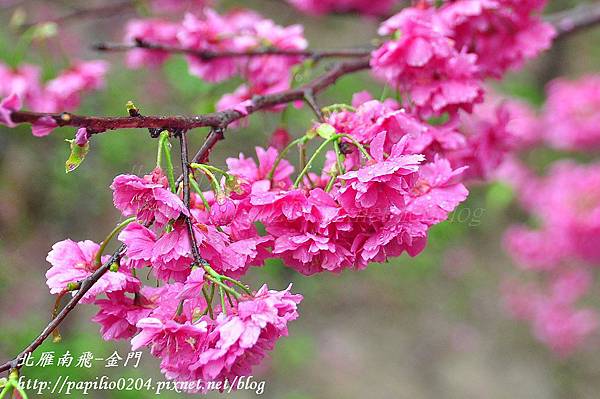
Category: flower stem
[198,191]
[210,167]
[7,388]
[168,160]
[222,294]
[109,237]
[213,179]
[238,283]
[209,297]
[358,145]
[223,286]
[56,337]
[302,140]
[163,136]
[313,157]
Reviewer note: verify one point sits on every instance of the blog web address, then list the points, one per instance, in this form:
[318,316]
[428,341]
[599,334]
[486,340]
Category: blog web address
[67,386]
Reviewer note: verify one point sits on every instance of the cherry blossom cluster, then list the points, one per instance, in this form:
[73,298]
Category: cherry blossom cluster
[237,31]
[569,119]
[22,86]
[561,252]
[375,198]
[437,57]
[194,338]
[381,174]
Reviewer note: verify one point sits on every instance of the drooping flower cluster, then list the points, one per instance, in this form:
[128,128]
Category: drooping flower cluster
[63,93]
[437,57]
[195,339]
[365,206]
[376,207]
[209,33]
[561,251]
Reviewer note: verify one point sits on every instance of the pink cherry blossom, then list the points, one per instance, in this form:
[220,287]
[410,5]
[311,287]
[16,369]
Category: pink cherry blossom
[140,243]
[118,314]
[248,170]
[437,192]
[222,211]
[239,341]
[64,91]
[177,344]
[424,63]
[562,328]
[193,284]
[23,81]
[567,202]
[178,5]
[502,33]
[380,185]
[171,254]
[279,139]
[74,261]
[571,117]
[43,126]
[155,31]
[147,198]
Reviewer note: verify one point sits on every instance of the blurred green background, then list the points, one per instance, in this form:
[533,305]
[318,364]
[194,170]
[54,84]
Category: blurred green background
[428,327]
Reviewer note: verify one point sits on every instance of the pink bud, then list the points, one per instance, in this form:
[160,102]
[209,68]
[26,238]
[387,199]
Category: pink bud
[279,139]
[222,211]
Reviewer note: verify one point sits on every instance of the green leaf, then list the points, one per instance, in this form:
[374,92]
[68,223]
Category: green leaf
[77,156]
[325,130]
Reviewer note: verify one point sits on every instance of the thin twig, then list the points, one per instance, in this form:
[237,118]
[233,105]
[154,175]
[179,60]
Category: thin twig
[185,171]
[208,55]
[309,98]
[575,19]
[103,11]
[221,119]
[84,287]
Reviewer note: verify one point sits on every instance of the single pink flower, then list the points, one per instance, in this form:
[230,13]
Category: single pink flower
[248,170]
[571,115]
[193,284]
[118,314]
[153,31]
[222,211]
[147,198]
[381,185]
[74,261]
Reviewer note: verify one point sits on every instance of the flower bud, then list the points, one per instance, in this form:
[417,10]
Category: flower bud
[222,211]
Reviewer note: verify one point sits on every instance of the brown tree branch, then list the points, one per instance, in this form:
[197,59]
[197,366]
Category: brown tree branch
[97,12]
[84,287]
[221,119]
[185,172]
[573,20]
[207,55]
